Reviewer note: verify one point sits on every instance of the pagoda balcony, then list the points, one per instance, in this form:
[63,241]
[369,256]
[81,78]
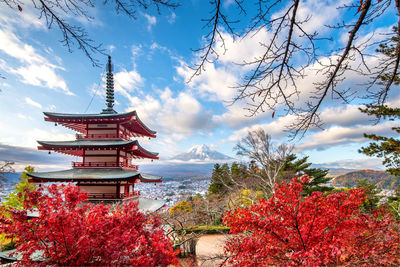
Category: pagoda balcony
[105,165]
[112,196]
[96,136]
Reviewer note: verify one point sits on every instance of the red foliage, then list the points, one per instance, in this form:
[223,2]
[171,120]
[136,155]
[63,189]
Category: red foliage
[72,233]
[290,229]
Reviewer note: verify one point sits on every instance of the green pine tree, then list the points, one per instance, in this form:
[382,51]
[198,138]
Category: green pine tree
[387,148]
[223,177]
[216,184]
[294,167]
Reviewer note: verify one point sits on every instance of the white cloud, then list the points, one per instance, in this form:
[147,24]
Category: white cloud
[34,69]
[356,164]
[337,135]
[136,51]
[111,48]
[343,125]
[219,79]
[29,101]
[181,113]
[42,75]
[51,107]
[151,20]
[127,81]
[172,18]
[319,13]
[228,3]
[25,19]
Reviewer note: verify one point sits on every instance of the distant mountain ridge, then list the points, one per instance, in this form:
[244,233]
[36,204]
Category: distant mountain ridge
[201,153]
[11,177]
[382,179]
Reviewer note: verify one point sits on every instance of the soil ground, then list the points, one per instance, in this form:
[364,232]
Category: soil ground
[210,250]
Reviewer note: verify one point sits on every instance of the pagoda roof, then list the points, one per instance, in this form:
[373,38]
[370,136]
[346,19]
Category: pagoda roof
[75,147]
[89,116]
[85,143]
[93,174]
[77,122]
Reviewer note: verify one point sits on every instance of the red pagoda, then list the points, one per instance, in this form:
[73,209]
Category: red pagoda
[104,142]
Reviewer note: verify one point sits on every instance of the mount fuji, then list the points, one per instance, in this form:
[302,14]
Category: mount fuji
[198,161]
[201,153]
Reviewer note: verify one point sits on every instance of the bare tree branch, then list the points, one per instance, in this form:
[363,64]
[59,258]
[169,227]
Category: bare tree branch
[292,49]
[56,12]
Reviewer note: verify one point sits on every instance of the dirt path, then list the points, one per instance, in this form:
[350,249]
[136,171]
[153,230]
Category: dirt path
[210,250]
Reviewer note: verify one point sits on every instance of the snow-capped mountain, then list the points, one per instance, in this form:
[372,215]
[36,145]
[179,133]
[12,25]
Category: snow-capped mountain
[201,153]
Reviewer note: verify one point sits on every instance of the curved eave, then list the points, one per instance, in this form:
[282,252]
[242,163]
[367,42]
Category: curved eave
[140,128]
[87,144]
[75,148]
[140,152]
[77,122]
[80,117]
[148,178]
[93,175]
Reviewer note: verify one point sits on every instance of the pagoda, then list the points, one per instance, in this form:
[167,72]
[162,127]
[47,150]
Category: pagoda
[104,142]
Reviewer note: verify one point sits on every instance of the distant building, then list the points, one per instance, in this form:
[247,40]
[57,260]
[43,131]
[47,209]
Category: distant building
[104,142]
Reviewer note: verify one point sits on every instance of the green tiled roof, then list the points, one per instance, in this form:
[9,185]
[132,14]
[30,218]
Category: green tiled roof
[93,174]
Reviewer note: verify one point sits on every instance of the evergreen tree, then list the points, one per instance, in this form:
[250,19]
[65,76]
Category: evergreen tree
[372,197]
[220,175]
[224,178]
[387,148]
[294,167]
[238,172]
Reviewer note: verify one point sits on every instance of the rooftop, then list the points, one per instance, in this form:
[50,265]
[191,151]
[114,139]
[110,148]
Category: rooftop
[92,174]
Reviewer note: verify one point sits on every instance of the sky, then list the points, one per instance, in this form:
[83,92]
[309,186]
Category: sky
[152,56]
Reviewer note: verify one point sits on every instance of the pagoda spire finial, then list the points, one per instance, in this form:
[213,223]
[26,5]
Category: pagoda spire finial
[109,89]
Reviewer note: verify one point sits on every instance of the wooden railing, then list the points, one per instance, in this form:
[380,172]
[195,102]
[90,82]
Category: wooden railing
[104,165]
[96,136]
[94,196]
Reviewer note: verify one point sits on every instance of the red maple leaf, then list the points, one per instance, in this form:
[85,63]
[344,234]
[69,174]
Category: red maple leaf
[318,230]
[74,234]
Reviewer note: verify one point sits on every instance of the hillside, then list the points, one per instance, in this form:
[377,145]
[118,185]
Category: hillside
[382,179]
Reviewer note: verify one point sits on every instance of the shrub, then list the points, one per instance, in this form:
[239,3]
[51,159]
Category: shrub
[72,233]
[292,229]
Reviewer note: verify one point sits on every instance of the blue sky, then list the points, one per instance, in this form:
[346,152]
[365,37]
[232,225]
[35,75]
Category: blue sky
[151,56]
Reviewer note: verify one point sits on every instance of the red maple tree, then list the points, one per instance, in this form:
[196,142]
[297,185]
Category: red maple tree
[290,229]
[71,233]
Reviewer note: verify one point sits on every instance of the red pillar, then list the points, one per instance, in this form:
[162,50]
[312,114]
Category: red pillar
[118,189]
